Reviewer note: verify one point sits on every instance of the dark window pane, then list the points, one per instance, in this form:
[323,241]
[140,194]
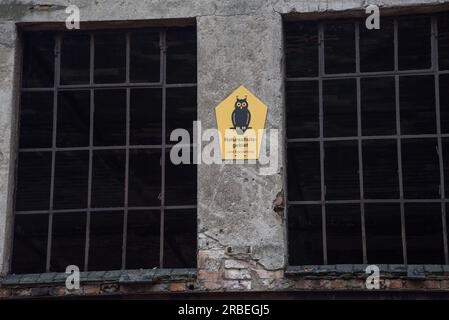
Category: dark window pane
[36,120]
[181,109]
[71,175]
[340,108]
[447,221]
[144,177]
[417,100]
[145,57]
[180,181]
[75,59]
[414,43]
[304,181]
[383,233]
[302,109]
[341,168]
[106,241]
[180,243]
[181,55]
[30,243]
[108,178]
[69,241]
[146,117]
[73,119]
[339,47]
[421,174]
[424,230]
[378,106]
[301,49]
[343,234]
[377,47]
[380,169]
[38,60]
[305,235]
[444,102]
[445,146]
[110,118]
[110,58]
[33,181]
[443,41]
[143,242]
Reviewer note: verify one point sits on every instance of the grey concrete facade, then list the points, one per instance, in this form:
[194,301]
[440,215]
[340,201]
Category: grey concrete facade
[239,43]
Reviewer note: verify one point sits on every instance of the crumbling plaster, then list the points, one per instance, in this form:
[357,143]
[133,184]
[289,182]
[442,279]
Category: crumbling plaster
[239,43]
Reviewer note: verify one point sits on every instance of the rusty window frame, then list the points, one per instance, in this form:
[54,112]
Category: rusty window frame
[91,86]
[359,138]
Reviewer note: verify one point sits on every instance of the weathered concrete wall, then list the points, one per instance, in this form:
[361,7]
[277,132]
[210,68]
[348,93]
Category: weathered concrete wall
[109,10]
[8,85]
[241,238]
[235,202]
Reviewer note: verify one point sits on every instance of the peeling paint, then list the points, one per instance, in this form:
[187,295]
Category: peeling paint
[241,241]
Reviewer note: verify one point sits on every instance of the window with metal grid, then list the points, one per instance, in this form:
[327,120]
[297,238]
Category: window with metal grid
[368,141]
[95,185]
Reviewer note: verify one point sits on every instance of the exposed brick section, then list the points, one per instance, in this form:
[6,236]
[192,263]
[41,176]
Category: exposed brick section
[39,292]
[210,259]
[237,274]
[264,274]
[220,283]
[307,284]
[431,284]
[5,292]
[235,264]
[236,285]
[208,275]
[178,287]
[213,285]
[221,271]
[359,283]
[110,288]
[21,292]
[392,284]
[356,284]
[338,284]
[202,257]
[91,290]
[145,288]
[415,285]
[444,284]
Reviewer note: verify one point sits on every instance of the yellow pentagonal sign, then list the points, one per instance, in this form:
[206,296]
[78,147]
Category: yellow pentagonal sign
[241,122]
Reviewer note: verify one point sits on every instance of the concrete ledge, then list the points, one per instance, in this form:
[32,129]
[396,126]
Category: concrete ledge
[122,277]
[411,271]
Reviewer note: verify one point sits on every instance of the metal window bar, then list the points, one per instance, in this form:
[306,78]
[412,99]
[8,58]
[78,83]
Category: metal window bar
[57,60]
[398,143]
[163,46]
[91,143]
[387,137]
[359,142]
[370,74]
[321,120]
[435,67]
[164,146]
[357,75]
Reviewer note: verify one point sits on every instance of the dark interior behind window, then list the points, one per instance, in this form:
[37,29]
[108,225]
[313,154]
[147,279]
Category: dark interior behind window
[367,140]
[95,184]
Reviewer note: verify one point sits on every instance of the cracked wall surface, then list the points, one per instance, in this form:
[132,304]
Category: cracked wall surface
[8,99]
[109,10]
[235,202]
[241,230]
